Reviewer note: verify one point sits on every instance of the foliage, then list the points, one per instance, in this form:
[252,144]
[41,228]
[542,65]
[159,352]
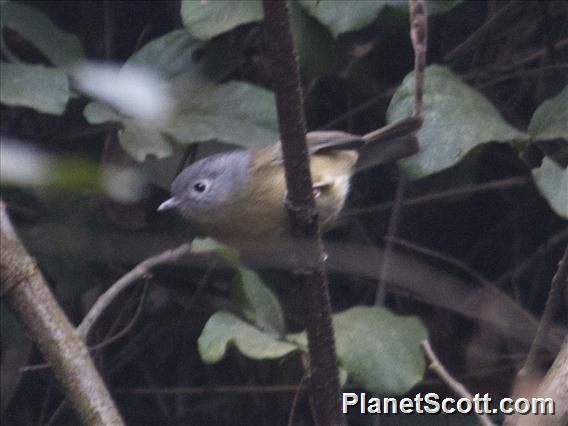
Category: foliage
[493,114]
[379,351]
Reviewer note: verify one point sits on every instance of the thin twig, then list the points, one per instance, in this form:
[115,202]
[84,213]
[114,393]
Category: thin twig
[449,193]
[555,297]
[140,271]
[212,390]
[299,389]
[419,36]
[124,331]
[391,233]
[496,21]
[437,367]
[521,268]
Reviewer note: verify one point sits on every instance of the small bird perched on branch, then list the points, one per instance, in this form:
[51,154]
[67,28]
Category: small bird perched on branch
[239,196]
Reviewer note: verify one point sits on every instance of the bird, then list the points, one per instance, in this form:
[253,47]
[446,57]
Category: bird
[238,196]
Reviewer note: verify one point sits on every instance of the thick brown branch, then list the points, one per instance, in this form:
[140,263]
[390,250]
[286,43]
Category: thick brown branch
[26,292]
[324,380]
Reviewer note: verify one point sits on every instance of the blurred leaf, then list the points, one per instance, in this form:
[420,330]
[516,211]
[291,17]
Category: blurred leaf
[207,19]
[60,47]
[99,113]
[178,53]
[319,53]
[257,303]
[22,165]
[141,141]
[379,350]
[134,91]
[204,245]
[38,87]
[456,119]
[225,329]
[550,120]
[175,55]
[74,173]
[12,331]
[236,113]
[552,182]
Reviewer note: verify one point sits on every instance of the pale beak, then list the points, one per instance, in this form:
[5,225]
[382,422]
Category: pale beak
[168,204]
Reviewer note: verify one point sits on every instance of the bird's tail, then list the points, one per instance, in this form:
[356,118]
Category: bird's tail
[389,143]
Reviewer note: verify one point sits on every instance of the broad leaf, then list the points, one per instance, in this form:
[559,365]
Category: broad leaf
[257,303]
[61,48]
[550,120]
[235,113]
[379,350]
[456,119]
[319,53]
[552,182]
[178,53]
[207,19]
[39,87]
[340,16]
[225,329]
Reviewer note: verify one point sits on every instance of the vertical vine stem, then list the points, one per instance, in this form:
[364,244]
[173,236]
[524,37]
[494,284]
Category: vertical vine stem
[324,381]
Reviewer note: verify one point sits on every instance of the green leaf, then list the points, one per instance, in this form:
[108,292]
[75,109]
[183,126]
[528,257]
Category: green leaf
[257,303]
[379,350]
[35,86]
[550,120]
[205,245]
[179,53]
[319,53]
[225,329]
[207,19]
[99,113]
[340,16]
[61,48]
[235,113]
[141,141]
[552,182]
[456,119]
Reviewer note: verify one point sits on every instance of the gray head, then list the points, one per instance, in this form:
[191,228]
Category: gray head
[204,190]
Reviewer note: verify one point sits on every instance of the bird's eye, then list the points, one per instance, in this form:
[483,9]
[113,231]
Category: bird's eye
[199,186]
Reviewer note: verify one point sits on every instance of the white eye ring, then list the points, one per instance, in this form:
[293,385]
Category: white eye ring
[199,186]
